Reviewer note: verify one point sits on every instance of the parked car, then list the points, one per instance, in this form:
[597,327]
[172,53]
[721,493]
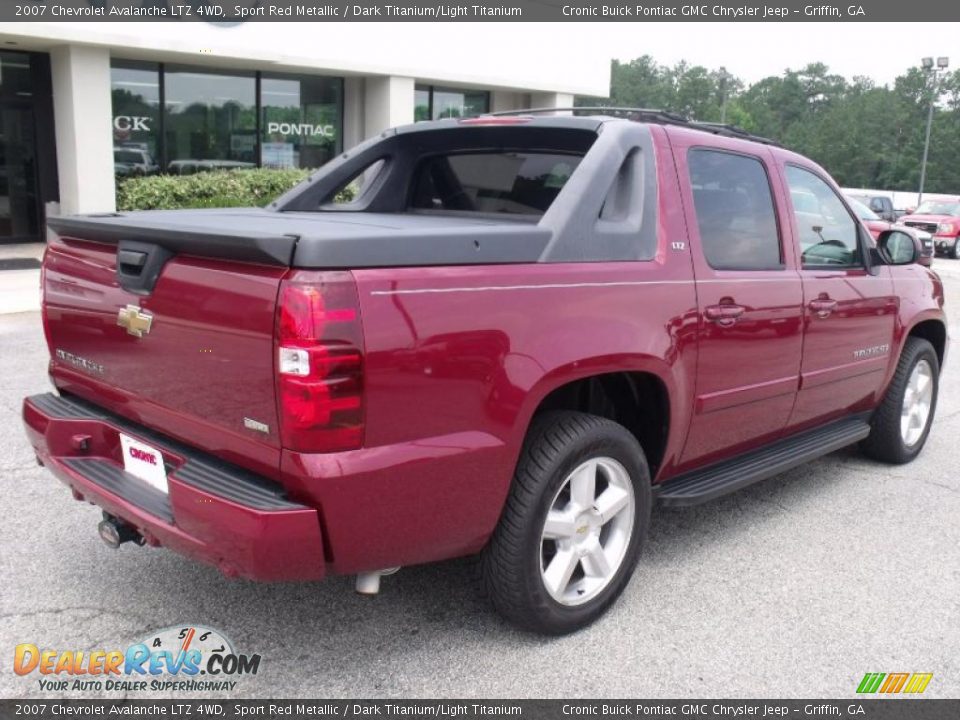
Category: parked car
[133,161]
[880,204]
[192,167]
[521,333]
[876,226]
[940,218]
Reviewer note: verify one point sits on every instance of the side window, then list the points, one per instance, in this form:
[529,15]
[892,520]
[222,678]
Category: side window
[829,236]
[735,213]
[352,191]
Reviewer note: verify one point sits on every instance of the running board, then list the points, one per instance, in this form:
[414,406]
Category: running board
[700,486]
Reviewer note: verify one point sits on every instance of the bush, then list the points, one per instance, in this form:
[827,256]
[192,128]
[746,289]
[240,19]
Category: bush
[221,188]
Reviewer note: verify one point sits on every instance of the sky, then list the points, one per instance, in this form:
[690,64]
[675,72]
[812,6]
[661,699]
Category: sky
[538,53]
[755,50]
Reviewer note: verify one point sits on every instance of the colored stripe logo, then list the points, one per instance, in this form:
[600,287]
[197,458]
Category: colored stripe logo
[893,683]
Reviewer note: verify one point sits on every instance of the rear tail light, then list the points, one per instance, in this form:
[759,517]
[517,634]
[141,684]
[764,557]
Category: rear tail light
[320,362]
[43,303]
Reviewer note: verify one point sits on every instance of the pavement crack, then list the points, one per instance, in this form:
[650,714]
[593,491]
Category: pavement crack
[941,485]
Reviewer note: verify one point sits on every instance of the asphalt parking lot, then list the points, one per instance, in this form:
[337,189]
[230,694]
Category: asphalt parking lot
[792,588]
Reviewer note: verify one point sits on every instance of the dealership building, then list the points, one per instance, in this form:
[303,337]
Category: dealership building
[84,104]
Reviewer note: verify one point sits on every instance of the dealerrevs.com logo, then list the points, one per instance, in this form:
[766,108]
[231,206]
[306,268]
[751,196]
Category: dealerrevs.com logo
[188,658]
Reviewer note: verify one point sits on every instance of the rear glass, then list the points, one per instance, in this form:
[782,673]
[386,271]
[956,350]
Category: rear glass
[520,183]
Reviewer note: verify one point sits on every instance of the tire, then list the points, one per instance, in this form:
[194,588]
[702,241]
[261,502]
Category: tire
[525,572]
[889,441]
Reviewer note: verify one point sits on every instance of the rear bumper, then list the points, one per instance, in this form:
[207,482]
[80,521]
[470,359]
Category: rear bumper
[214,512]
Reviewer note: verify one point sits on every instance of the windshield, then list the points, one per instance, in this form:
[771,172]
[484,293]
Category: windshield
[938,207]
[862,211]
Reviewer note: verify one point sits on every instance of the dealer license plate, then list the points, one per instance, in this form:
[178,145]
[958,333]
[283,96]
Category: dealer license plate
[144,462]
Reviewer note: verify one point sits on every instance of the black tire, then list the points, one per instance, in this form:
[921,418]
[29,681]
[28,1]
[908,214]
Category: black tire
[557,443]
[955,250]
[885,441]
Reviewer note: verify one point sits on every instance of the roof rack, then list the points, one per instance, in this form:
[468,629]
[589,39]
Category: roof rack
[649,115]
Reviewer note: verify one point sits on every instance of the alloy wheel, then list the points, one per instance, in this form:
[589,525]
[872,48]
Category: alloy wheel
[917,400]
[587,531]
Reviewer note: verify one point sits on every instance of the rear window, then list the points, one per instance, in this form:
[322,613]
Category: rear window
[518,183]
[862,211]
[735,213]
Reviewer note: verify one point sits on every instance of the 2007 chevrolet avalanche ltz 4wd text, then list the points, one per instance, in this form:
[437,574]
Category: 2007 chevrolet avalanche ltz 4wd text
[516,335]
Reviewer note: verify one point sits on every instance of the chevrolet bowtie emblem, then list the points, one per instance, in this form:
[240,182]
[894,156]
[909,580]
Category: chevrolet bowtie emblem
[134,320]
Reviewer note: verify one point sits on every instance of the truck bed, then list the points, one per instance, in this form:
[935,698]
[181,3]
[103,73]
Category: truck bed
[324,239]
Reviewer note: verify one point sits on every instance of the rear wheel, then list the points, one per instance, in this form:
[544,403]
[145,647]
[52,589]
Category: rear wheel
[901,424]
[573,525]
[955,250]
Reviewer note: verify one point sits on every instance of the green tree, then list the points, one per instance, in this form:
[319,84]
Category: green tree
[866,135]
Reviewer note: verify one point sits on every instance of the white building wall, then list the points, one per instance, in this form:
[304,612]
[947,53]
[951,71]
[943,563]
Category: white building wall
[388,101]
[82,116]
[379,75]
[504,100]
[353,101]
[524,57]
[548,100]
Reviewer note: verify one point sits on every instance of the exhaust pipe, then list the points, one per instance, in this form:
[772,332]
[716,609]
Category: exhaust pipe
[369,583]
[114,532]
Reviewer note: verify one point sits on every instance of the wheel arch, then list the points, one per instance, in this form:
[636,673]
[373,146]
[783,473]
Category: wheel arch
[934,331]
[637,399]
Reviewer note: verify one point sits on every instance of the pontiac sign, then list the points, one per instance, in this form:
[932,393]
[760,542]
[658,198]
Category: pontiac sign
[302,129]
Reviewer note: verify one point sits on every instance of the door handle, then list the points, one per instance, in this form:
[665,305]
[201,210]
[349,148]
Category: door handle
[723,315]
[823,307]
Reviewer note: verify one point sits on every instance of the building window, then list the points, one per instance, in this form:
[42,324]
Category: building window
[183,120]
[421,104]
[135,88]
[434,103]
[210,120]
[16,82]
[28,163]
[300,121]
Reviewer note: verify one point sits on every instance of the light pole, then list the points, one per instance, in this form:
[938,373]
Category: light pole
[723,95]
[928,66]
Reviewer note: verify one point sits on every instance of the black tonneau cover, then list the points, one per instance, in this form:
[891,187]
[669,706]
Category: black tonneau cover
[318,239]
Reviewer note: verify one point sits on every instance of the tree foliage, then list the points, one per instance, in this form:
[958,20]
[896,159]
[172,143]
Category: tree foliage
[865,135]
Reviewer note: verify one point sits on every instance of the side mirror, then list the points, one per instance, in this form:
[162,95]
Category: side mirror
[898,247]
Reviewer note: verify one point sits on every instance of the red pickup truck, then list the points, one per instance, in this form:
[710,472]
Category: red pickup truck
[940,218]
[518,334]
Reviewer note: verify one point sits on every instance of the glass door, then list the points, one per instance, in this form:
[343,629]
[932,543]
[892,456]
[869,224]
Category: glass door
[19,202]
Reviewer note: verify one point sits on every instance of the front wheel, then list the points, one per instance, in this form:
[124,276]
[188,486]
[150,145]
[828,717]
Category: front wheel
[900,426]
[955,250]
[573,525]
